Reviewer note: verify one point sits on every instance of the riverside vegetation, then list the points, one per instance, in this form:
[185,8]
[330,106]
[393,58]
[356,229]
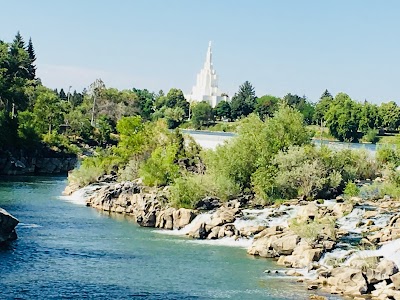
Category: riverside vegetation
[133,163]
[164,180]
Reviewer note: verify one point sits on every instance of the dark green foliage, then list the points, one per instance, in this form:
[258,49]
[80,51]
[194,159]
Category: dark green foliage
[175,98]
[390,115]
[201,114]
[306,108]
[222,110]
[322,107]
[343,118]
[244,101]
[62,95]
[266,106]
[145,103]
[369,118]
[105,127]
[32,59]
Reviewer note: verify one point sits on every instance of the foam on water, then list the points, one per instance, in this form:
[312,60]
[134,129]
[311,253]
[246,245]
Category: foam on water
[199,219]
[336,255]
[79,197]
[390,251]
[266,217]
[349,222]
[226,241]
[25,225]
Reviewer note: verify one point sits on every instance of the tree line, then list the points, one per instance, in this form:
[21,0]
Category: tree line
[32,114]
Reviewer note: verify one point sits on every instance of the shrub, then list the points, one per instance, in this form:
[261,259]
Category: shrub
[388,154]
[311,230]
[371,136]
[189,189]
[160,169]
[256,144]
[351,189]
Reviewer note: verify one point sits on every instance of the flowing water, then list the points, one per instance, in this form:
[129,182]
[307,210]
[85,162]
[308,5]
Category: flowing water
[66,250]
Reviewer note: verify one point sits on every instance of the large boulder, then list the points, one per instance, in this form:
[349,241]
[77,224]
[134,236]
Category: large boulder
[383,271]
[183,217]
[307,212]
[208,203]
[341,209]
[303,256]
[286,244]
[396,280]
[350,281]
[7,226]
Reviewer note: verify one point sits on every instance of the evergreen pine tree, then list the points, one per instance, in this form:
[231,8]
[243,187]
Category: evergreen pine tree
[62,95]
[32,59]
[19,41]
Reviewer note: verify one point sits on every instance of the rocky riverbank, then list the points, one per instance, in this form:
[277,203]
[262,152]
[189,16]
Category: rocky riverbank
[7,226]
[43,161]
[349,247]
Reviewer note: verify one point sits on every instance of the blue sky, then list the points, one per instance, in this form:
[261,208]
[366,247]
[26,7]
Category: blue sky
[302,47]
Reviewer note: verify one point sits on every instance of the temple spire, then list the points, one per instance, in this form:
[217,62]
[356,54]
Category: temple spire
[206,87]
[208,62]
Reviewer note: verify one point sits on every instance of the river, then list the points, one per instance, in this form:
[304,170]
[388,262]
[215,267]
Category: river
[65,250]
[210,140]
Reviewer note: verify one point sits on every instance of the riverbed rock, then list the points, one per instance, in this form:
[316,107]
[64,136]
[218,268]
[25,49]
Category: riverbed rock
[7,226]
[302,257]
[383,271]
[395,278]
[285,245]
[183,217]
[350,281]
[307,212]
[342,208]
[41,161]
[208,203]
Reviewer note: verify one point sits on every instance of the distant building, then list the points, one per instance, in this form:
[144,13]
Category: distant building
[206,88]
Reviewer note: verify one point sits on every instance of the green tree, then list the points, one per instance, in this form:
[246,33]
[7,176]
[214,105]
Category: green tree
[369,117]
[244,101]
[222,110]
[302,105]
[390,115]
[266,106]
[48,111]
[174,116]
[201,114]
[62,95]
[145,103]
[32,59]
[343,118]
[322,107]
[175,98]
[132,136]
[105,128]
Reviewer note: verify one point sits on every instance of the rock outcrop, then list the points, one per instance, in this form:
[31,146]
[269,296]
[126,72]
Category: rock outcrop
[298,234]
[37,162]
[7,226]
[148,207]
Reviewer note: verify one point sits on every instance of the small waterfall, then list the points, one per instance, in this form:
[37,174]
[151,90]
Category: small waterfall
[199,219]
[390,251]
[350,221]
[79,197]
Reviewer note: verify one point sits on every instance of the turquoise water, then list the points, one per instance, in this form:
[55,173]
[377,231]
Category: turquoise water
[72,252]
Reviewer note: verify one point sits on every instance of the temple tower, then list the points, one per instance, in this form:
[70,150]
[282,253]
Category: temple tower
[206,88]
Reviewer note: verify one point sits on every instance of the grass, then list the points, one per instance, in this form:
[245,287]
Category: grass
[389,139]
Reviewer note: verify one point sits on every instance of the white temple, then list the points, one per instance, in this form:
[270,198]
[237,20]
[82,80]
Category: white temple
[206,88]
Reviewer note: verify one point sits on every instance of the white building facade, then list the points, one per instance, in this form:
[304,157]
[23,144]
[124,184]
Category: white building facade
[206,88]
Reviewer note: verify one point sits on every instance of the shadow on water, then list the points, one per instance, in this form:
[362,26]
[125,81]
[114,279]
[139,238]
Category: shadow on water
[78,290]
